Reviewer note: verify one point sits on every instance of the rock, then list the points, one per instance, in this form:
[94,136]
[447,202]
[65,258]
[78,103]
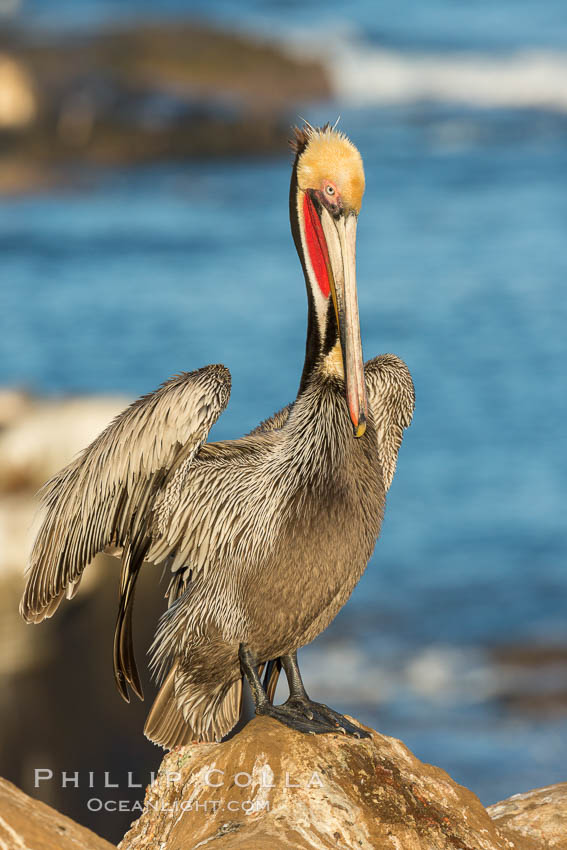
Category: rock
[26,823]
[272,787]
[532,678]
[13,404]
[47,435]
[145,92]
[17,514]
[17,100]
[539,815]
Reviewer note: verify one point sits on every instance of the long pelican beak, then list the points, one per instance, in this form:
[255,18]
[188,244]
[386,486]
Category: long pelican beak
[340,235]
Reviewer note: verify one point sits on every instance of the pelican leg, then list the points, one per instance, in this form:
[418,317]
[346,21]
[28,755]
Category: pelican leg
[299,702]
[289,715]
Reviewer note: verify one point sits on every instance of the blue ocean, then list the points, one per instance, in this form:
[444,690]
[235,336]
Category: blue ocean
[460,113]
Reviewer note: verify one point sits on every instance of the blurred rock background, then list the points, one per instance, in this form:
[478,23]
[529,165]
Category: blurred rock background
[142,92]
[143,230]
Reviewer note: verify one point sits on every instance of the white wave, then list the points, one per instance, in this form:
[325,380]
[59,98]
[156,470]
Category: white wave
[368,76]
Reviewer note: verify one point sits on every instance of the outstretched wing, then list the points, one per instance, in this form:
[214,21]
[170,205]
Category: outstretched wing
[105,496]
[391,396]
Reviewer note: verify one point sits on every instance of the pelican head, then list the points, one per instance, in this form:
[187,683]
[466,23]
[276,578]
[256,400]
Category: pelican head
[326,196]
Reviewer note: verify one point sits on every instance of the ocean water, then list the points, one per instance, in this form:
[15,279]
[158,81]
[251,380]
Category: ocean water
[124,280]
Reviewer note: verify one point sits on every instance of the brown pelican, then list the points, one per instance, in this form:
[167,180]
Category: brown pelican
[265,536]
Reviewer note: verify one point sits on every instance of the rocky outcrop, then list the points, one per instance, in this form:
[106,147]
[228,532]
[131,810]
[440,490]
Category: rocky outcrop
[26,824]
[144,92]
[272,787]
[540,816]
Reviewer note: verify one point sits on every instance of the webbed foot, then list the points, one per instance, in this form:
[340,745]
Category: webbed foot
[319,712]
[296,717]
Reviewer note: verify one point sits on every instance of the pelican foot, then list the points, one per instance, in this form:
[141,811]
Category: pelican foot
[318,711]
[297,719]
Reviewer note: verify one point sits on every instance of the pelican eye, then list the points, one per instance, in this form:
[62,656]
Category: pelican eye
[330,190]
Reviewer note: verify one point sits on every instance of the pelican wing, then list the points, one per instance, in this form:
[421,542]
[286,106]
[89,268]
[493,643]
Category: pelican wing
[105,497]
[391,396]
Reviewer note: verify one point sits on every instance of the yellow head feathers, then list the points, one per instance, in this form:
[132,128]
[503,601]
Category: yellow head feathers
[326,155]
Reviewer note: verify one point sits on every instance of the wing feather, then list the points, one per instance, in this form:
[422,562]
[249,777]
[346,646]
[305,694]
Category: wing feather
[105,496]
[391,396]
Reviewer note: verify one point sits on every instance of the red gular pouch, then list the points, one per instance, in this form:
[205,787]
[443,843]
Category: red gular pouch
[316,245]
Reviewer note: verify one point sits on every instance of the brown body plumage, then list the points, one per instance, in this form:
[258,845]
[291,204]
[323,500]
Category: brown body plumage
[265,536]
